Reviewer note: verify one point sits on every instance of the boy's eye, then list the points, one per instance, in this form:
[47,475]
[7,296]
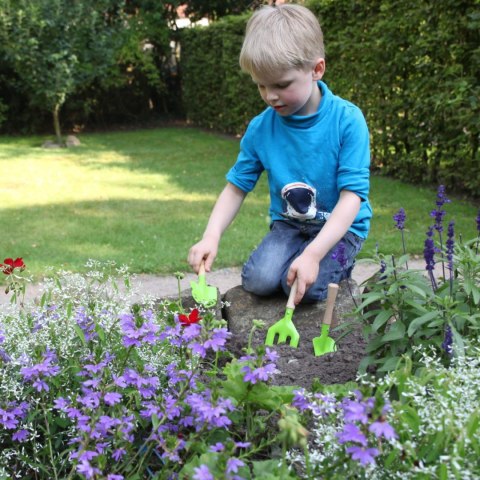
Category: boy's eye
[283,85]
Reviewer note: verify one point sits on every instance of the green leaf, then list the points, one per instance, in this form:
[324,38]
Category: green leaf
[418,322]
[370,298]
[396,332]
[458,343]
[80,334]
[100,331]
[390,364]
[416,290]
[409,416]
[442,471]
[381,319]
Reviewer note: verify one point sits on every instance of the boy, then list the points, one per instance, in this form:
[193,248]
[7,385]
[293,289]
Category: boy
[314,147]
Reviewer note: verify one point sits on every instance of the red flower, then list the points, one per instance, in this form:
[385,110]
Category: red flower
[9,265]
[193,317]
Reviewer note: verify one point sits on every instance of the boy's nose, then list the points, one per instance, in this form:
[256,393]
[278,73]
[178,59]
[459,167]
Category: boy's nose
[271,95]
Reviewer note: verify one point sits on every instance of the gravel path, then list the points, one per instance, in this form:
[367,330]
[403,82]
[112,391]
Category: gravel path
[224,279]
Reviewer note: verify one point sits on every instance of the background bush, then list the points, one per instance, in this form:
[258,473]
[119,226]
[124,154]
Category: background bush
[413,69]
[216,94]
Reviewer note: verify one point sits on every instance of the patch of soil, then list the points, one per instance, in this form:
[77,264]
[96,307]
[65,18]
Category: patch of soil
[297,366]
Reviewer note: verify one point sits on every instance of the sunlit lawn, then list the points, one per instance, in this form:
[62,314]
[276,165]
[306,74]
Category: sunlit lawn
[143,197]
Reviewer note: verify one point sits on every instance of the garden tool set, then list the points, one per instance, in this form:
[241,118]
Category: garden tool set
[285,329]
[201,292]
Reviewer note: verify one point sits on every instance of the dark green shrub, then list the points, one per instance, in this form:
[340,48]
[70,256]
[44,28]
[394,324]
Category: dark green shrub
[412,68]
[216,93]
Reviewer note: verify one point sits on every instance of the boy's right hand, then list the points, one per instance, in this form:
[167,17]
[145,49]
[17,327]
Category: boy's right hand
[206,249]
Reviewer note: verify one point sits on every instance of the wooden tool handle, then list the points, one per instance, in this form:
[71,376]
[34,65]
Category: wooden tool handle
[291,296]
[201,269]
[331,297]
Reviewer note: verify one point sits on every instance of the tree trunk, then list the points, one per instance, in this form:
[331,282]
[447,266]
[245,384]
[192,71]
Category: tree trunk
[56,123]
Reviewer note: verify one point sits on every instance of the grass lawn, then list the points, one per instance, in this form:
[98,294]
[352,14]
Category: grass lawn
[142,198]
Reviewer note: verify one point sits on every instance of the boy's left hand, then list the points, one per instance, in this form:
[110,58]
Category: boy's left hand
[305,268]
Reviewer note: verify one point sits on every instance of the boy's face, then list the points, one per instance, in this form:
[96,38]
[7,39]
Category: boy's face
[292,92]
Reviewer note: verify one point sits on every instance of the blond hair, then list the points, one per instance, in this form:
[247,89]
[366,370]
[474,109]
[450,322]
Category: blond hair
[281,38]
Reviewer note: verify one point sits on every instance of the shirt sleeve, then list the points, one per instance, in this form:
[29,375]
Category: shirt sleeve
[354,158]
[248,167]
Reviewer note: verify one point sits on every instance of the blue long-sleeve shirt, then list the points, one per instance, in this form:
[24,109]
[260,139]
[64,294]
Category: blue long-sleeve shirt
[309,160]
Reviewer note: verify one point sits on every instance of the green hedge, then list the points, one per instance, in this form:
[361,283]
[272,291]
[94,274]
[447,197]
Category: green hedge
[413,68]
[216,94]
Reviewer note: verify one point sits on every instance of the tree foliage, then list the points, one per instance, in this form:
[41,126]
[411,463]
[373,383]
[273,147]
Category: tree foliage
[56,47]
[214,9]
[103,56]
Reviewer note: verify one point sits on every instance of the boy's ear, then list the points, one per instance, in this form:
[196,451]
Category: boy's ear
[318,69]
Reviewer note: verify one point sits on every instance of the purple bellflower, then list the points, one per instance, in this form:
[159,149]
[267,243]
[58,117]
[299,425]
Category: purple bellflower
[46,368]
[352,433]
[382,429]
[364,455]
[202,473]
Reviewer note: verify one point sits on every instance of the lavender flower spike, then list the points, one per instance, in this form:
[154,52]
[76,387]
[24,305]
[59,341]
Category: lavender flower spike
[399,218]
[447,344]
[429,255]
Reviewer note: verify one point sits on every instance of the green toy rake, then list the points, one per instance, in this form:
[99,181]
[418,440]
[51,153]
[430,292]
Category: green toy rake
[284,328]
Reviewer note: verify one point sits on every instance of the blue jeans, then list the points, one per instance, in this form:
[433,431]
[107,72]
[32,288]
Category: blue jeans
[265,272]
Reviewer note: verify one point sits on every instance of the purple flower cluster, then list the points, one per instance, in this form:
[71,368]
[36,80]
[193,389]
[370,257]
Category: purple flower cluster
[196,338]
[318,404]
[138,330]
[208,413]
[339,254]
[99,425]
[226,462]
[86,324]
[4,356]
[233,464]
[259,368]
[11,417]
[478,221]
[358,415]
[399,219]
[38,372]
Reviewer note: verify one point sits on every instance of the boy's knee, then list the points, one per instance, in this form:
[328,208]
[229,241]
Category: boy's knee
[260,281]
[259,286]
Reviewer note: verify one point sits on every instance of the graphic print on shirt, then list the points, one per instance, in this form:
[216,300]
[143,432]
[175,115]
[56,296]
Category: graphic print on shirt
[301,202]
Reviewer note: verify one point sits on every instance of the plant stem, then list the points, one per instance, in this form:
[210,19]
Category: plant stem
[50,448]
[441,249]
[404,248]
[394,268]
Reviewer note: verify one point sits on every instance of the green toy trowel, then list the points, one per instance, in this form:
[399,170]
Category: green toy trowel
[201,292]
[325,344]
